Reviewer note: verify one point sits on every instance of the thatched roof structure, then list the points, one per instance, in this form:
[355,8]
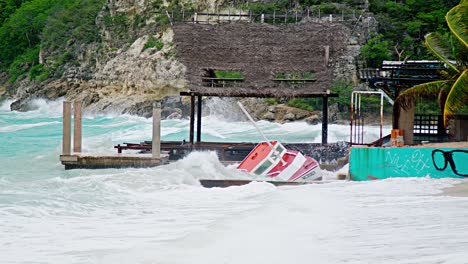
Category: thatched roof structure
[260,52]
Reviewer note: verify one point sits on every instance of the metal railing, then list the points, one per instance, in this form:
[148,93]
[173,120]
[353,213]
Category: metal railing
[277,17]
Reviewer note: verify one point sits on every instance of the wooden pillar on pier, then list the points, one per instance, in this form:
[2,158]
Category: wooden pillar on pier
[192,117]
[199,117]
[156,142]
[66,135]
[77,126]
[325,119]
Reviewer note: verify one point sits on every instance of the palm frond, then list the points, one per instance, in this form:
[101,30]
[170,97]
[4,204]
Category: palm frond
[407,98]
[457,97]
[441,48]
[457,20]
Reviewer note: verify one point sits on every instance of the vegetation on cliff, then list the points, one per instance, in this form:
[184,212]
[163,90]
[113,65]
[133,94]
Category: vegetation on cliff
[402,27]
[55,28]
[48,26]
[42,39]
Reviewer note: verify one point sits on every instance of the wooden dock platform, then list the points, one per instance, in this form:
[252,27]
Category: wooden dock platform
[96,161]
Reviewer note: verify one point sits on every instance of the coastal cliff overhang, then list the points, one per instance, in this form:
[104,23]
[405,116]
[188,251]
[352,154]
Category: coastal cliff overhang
[261,52]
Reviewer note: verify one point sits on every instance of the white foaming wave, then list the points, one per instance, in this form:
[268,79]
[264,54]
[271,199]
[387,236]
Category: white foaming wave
[13,128]
[5,106]
[204,165]
[166,131]
[122,121]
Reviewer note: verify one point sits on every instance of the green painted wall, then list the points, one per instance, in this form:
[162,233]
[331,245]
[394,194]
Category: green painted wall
[380,163]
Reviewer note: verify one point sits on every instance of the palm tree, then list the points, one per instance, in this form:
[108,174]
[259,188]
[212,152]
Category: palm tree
[452,49]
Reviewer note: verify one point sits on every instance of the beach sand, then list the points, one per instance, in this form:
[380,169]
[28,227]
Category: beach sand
[459,190]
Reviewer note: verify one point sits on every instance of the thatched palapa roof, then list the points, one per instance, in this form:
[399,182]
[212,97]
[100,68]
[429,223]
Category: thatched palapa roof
[260,52]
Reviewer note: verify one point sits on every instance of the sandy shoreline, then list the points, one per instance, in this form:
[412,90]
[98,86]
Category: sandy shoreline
[459,190]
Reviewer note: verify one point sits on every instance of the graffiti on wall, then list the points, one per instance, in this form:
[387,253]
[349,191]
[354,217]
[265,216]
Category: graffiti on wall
[381,163]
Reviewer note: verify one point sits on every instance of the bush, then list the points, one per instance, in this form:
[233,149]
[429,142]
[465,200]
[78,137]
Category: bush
[39,72]
[375,51]
[22,63]
[309,104]
[153,42]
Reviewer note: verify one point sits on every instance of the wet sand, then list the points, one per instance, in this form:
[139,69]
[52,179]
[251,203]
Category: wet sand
[459,190]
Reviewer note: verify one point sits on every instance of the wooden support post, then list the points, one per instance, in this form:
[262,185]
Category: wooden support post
[66,135]
[77,126]
[192,117]
[156,142]
[199,117]
[325,119]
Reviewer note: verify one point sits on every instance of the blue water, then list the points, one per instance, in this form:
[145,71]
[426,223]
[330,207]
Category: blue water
[163,215]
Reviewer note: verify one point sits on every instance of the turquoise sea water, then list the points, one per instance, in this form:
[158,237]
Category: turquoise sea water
[162,215]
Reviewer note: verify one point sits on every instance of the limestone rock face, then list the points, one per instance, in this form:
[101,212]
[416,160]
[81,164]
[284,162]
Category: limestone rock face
[120,74]
[124,73]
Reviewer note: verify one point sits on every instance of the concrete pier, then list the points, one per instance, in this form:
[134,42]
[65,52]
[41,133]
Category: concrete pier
[156,142]
[77,126]
[96,161]
[79,160]
[66,132]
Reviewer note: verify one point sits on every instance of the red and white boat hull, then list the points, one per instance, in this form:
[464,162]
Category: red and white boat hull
[280,164]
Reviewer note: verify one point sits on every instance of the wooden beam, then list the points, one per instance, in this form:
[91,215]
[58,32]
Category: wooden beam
[226,93]
[192,117]
[199,117]
[325,119]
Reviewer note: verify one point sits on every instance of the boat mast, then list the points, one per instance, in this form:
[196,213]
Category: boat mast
[255,125]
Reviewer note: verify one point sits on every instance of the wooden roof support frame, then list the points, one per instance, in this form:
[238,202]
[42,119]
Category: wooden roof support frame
[199,95]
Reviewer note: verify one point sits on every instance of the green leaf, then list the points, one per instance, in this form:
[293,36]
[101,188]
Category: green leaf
[457,97]
[457,20]
[428,90]
[440,46]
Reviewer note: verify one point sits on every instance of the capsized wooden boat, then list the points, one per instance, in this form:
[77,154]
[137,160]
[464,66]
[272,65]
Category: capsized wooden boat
[272,161]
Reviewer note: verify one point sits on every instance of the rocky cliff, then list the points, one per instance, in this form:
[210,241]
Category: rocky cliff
[133,63]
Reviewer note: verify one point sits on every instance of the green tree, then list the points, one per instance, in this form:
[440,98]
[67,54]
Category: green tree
[8,7]
[21,32]
[452,92]
[405,23]
[375,51]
